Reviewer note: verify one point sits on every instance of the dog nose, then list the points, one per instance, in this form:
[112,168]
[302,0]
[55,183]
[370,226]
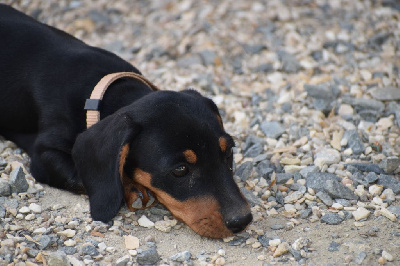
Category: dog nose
[238,224]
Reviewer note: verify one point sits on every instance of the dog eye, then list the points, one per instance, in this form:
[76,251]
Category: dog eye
[180,171]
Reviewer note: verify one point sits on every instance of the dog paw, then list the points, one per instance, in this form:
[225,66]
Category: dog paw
[138,197]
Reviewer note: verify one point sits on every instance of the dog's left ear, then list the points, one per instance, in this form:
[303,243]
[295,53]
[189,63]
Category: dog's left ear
[96,154]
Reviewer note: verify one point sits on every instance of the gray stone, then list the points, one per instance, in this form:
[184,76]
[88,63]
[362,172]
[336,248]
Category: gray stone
[3,163]
[309,169]
[272,129]
[365,104]
[18,181]
[386,94]
[332,218]
[189,61]
[354,142]
[305,213]
[57,258]
[343,202]
[369,115]
[44,242]
[333,246]
[123,261]
[282,178]
[69,250]
[244,171]
[390,164]
[366,167]
[371,178]
[264,68]
[181,257]
[388,181]
[32,253]
[5,189]
[337,190]
[254,49]
[253,200]
[208,57]
[264,169]
[10,203]
[377,40]
[325,198]
[277,226]
[317,181]
[360,257]
[264,239]
[2,211]
[322,91]
[254,150]
[289,62]
[148,256]
[296,254]
[395,210]
[89,249]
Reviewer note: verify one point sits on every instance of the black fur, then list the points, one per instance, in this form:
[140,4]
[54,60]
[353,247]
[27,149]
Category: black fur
[46,75]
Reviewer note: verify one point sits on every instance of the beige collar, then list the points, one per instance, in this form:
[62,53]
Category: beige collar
[92,105]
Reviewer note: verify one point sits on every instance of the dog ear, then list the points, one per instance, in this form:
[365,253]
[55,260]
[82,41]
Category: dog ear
[97,153]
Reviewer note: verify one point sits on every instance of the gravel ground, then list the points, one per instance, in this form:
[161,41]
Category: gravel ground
[309,88]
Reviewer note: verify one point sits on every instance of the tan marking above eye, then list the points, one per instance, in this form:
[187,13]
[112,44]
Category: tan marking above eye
[190,156]
[223,144]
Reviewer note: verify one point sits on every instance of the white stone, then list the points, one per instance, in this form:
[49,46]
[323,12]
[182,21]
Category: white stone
[39,231]
[35,208]
[345,109]
[274,242]
[388,214]
[337,206]
[387,256]
[102,246]
[24,210]
[377,201]
[70,243]
[30,217]
[388,194]
[360,213]
[375,190]
[384,123]
[145,222]
[67,233]
[326,157]
[293,197]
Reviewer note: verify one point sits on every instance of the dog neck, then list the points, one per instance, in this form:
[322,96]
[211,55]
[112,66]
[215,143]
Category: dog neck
[92,105]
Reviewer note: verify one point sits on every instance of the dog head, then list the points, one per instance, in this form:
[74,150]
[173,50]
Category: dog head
[171,145]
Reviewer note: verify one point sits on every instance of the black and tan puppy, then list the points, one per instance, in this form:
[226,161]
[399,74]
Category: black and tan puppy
[163,144]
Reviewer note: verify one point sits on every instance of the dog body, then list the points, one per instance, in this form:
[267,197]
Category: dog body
[170,144]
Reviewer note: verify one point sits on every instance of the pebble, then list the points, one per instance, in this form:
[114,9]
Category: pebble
[122,261]
[281,249]
[332,218]
[145,222]
[181,257]
[36,208]
[18,181]
[360,213]
[388,214]
[148,256]
[68,233]
[58,258]
[326,157]
[387,256]
[70,243]
[272,129]
[131,242]
[274,242]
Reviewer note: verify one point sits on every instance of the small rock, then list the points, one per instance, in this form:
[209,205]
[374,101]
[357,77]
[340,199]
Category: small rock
[387,256]
[89,249]
[293,197]
[375,190]
[325,198]
[388,214]
[5,189]
[70,243]
[371,177]
[326,157]
[220,261]
[300,243]
[57,258]
[388,195]
[354,142]
[24,210]
[272,129]
[148,256]
[333,246]
[360,213]
[332,218]
[35,208]
[67,233]
[386,93]
[395,210]
[131,242]
[390,164]
[360,257]
[389,182]
[181,257]
[123,261]
[281,249]
[188,61]
[18,181]
[145,222]
[274,242]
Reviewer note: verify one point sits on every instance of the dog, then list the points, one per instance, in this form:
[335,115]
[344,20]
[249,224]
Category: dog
[149,144]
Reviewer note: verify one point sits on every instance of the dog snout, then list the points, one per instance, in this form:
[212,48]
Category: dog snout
[239,223]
